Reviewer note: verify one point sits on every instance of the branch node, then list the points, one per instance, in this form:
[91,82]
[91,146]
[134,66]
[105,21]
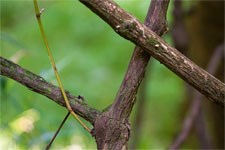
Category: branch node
[38,15]
[41,11]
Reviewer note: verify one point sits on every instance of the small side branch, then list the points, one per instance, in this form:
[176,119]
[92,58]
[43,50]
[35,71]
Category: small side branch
[39,85]
[60,127]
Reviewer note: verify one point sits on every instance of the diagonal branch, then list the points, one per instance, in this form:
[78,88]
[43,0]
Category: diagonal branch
[130,28]
[156,20]
[112,129]
[39,85]
[196,104]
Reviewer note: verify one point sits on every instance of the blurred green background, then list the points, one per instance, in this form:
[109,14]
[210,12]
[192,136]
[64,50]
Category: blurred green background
[92,60]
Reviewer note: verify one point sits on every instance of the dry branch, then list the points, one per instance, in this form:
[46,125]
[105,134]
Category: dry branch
[156,20]
[39,85]
[112,128]
[115,120]
[130,28]
[196,104]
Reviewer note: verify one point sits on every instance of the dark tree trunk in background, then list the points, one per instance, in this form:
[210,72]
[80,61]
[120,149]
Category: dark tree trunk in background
[205,26]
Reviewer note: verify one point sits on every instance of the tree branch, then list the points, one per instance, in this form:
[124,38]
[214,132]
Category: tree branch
[39,85]
[130,28]
[114,121]
[124,101]
[197,101]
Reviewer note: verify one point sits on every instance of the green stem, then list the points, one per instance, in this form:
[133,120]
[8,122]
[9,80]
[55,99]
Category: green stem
[38,16]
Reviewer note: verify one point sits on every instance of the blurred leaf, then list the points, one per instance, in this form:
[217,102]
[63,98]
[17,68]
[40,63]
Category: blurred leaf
[25,122]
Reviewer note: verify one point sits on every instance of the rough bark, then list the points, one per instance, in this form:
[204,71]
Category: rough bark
[112,128]
[141,109]
[182,42]
[114,122]
[39,85]
[205,25]
[196,105]
[130,28]
[155,20]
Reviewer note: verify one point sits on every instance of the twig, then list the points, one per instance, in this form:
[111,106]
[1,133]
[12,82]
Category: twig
[197,101]
[38,16]
[56,133]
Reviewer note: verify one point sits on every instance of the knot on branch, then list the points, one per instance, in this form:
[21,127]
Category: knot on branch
[129,26]
[125,26]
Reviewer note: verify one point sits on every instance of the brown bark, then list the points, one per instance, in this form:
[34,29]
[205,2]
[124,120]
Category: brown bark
[111,128]
[39,85]
[205,26]
[114,122]
[156,20]
[130,28]
[205,30]
[141,107]
[195,107]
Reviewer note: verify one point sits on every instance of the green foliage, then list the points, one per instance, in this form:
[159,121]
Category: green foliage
[91,59]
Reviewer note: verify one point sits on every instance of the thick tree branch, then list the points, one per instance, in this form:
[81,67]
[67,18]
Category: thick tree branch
[114,122]
[130,28]
[39,85]
[156,20]
[197,101]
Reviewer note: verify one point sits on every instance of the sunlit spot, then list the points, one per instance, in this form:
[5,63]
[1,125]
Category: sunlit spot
[25,122]
[74,147]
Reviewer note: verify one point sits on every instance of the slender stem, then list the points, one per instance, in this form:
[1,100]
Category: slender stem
[38,16]
[56,133]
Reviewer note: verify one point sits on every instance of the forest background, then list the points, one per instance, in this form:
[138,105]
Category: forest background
[92,60]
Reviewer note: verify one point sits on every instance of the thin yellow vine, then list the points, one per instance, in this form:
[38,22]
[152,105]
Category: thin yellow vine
[38,16]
